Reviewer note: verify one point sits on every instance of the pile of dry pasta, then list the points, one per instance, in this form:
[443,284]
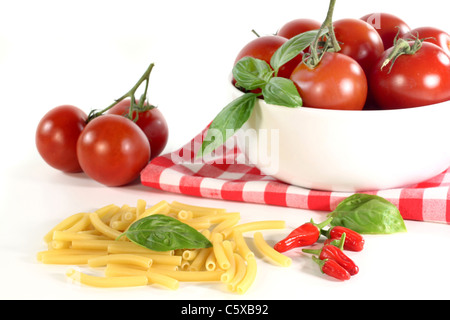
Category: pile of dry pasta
[89,240]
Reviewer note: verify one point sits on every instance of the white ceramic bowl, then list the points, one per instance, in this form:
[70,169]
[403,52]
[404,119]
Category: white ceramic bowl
[349,151]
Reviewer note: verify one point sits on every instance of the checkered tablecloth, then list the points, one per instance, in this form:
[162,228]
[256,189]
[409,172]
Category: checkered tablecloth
[228,179]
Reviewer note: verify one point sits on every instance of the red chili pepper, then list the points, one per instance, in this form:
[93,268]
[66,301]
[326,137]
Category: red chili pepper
[332,268]
[305,235]
[353,240]
[331,252]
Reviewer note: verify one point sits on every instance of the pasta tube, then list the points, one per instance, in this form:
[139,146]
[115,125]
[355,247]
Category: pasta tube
[131,259]
[228,275]
[250,275]
[106,282]
[219,252]
[260,225]
[103,227]
[63,225]
[90,239]
[270,252]
[241,269]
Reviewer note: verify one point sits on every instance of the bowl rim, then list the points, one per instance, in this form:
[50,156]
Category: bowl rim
[445,104]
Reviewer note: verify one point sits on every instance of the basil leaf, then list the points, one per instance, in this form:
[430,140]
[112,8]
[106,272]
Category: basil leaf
[162,233]
[369,214]
[282,92]
[227,122]
[251,73]
[293,47]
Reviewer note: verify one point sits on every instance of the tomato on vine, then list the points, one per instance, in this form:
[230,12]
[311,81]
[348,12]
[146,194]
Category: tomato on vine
[411,74]
[388,26]
[328,79]
[297,26]
[56,137]
[113,150]
[336,82]
[359,40]
[112,145]
[151,122]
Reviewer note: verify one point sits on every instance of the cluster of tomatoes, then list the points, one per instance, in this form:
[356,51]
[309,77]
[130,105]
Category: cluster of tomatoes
[356,77]
[110,148]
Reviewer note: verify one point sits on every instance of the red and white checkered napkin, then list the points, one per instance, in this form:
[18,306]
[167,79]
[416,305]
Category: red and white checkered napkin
[228,177]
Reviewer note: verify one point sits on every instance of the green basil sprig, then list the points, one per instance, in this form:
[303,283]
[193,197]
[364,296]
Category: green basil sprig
[162,233]
[293,47]
[281,92]
[368,214]
[251,74]
[233,116]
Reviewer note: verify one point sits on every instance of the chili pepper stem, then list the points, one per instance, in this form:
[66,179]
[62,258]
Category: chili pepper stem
[319,262]
[340,243]
[323,224]
[312,251]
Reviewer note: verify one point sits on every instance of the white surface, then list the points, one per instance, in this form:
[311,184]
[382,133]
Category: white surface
[87,53]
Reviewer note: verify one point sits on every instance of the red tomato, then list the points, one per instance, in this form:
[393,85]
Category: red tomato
[337,82]
[359,40]
[415,80]
[432,35]
[263,48]
[297,26]
[56,137]
[113,150]
[152,122]
[387,26]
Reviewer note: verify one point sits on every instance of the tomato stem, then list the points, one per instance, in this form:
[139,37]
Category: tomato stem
[256,33]
[131,94]
[401,47]
[331,44]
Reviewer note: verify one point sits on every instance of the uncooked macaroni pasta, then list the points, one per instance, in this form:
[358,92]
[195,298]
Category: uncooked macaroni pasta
[269,251]
[90,243]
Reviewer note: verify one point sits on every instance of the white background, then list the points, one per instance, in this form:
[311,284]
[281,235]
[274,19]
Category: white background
[87,53]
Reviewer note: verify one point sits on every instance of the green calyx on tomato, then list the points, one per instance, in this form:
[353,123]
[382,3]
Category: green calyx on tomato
[415,62]
[136,106]
[430,34]
[401,47]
